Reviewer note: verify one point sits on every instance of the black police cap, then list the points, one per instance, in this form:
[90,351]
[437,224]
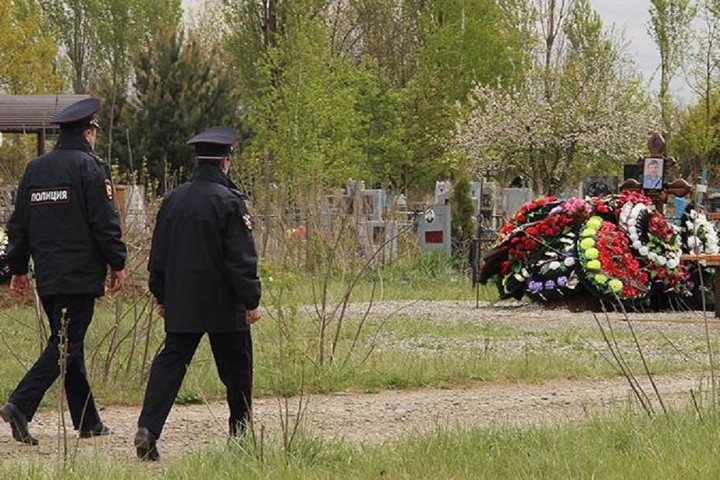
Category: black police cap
[215,142]
[78,115]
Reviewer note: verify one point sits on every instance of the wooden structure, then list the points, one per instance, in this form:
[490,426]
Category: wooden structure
[708,260]
[678,187]
[29,114]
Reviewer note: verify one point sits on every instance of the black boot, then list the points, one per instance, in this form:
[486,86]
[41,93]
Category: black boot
[99,430]
[18,423]
[145,445]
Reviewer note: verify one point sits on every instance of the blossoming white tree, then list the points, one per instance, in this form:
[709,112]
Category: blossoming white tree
[584,114]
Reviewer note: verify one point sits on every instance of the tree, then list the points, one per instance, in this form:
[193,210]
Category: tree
[462,222]
[122,27]
[71,20]
[27,50]
[670,24]
[27,66]
[101,36]
[460,43]
[585,117]
[180,89]
[387,31]
[394,73]
[551,18]
[695,135]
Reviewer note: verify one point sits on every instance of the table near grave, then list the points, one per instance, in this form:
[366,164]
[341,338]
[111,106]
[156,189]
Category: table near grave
[709,260]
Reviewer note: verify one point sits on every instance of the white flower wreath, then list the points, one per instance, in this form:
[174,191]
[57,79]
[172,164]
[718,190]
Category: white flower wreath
[702,236]
[629,221]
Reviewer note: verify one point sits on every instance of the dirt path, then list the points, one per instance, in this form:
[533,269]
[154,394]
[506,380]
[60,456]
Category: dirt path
[367,417]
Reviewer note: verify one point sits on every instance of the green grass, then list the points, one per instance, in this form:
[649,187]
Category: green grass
[622,446]
[421,276]
[401,352]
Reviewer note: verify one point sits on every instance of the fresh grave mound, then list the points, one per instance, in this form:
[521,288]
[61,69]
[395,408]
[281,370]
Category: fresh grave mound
[617,248]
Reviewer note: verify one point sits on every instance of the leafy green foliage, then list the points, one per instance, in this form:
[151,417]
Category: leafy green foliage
[100,37]
[27,50]
[28,65]
[462,212]
[463,43]
[580,112]
[180,89]
[670,26]
[357,94]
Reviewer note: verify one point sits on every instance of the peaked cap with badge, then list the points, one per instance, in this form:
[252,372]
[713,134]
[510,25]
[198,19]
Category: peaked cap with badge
[78,115]
[214,143]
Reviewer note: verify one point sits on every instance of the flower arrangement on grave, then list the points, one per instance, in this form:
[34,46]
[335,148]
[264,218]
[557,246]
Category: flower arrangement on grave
[553,274]
[4,268]
[656,243]
[608,265]
[698,234]
[533,251]
[528,213]
[615,247]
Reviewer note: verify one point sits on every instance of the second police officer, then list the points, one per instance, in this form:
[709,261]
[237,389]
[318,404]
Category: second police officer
[203,274]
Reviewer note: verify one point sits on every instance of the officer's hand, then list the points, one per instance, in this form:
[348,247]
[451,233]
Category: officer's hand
[117,280]
[20,284]
[252,316]
[161,310]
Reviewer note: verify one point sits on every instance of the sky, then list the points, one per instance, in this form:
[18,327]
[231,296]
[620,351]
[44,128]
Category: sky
[632,17]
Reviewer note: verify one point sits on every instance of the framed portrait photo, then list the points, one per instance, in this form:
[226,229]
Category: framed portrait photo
[653,173]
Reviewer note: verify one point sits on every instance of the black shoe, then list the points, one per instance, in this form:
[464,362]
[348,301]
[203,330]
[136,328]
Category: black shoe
[18,423]
[145,445]
[99,430]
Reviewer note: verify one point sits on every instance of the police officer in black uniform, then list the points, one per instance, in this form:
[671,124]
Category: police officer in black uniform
[203,274]
[65,220]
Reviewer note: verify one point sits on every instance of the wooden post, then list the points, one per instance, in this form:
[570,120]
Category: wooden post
[708,260]
[120,191]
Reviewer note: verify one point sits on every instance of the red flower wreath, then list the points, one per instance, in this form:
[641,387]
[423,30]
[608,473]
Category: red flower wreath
[526,214]
[609,265]
[524,243]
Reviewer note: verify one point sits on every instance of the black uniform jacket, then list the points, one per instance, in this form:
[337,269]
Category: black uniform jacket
[65,219]
[203,263]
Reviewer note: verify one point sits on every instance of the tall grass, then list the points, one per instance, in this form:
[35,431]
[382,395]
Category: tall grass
[402,351]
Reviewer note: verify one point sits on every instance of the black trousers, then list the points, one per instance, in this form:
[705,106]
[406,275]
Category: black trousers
[233,358]
[45,371]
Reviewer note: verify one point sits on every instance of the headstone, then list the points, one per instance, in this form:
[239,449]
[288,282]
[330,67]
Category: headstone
[372,203]
[442,191]
[514,198]
[131,206]
[434,229]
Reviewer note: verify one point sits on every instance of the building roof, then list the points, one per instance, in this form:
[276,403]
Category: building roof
[30,113]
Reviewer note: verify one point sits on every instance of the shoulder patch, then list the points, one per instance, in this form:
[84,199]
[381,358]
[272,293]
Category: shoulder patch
[97,158]
[108,189]
[248,221]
